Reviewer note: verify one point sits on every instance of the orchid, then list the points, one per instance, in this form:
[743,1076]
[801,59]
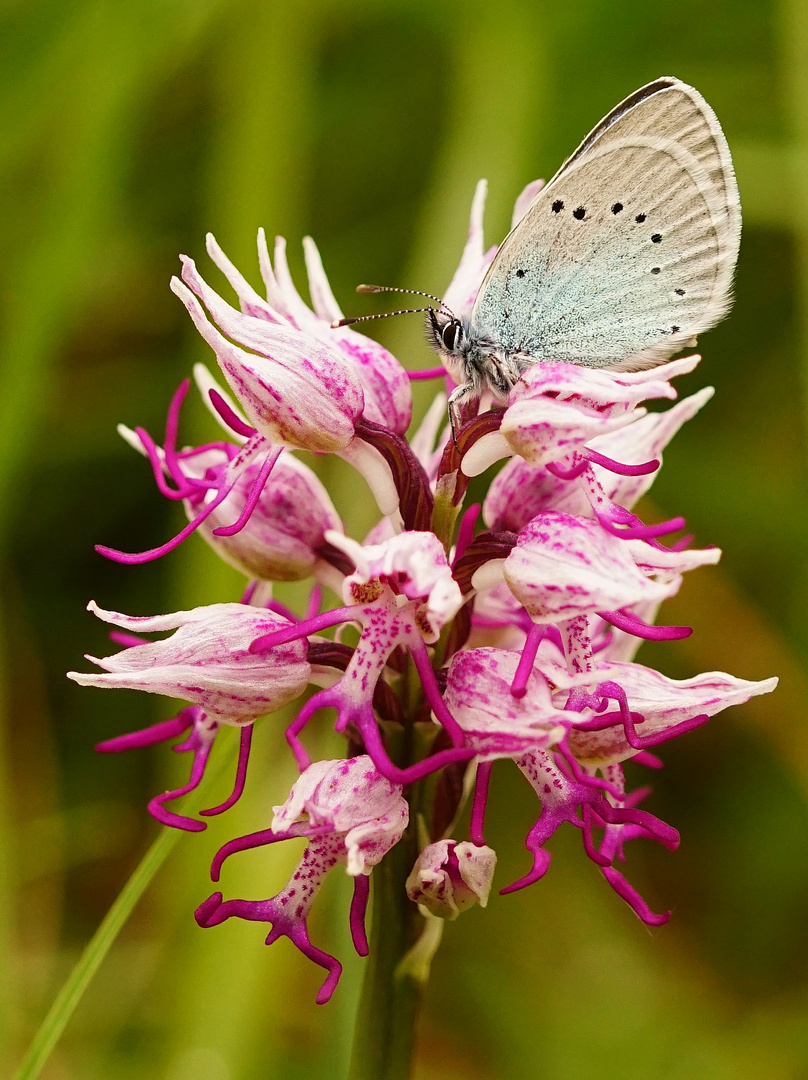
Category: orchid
[350,815]
[207,662]
[502,633]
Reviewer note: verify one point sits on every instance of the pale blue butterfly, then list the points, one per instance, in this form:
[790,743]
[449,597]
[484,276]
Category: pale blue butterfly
[620,261]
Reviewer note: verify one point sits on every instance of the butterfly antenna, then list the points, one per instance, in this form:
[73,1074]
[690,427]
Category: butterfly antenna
[392,288]
[383,315]
[387,314]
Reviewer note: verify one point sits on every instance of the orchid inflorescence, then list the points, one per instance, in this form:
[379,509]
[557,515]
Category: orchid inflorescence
[512,637]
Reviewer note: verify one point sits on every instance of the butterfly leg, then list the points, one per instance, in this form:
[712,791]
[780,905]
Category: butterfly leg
[456,398]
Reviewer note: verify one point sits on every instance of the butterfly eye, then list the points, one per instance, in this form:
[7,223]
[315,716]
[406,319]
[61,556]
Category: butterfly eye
[451,334]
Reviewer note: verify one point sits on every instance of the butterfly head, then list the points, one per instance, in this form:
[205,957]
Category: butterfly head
[473,360]
[448,335]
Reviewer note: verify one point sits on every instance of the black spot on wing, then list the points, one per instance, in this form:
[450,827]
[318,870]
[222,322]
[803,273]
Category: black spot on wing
[557,206]
[579,213]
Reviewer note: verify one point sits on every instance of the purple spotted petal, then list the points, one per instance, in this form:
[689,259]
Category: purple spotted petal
[520,490]
[497,724]
[563,566]
[295,389]
[207,661]
[556,408]
[662,703]
[287,527]
[415,564]
[355,800]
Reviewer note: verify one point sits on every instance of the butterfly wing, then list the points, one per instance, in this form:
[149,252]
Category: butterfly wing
[628,253]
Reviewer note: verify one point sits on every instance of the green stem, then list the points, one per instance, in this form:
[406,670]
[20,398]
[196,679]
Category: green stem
[113,922]
[388,1007]
[447,511]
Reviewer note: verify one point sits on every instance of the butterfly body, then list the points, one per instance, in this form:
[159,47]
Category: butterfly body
[620,261]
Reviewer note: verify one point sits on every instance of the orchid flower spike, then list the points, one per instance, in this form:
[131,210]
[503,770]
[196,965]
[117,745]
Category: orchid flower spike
[464,633]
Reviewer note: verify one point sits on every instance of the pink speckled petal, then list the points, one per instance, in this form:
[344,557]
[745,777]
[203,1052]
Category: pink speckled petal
[287,526]
[251,302]
[524,199]
[322,298]
[207,661]
[355,800]
[663,703]
[294,389]
[556,408]
[415,562]
[645,439]
[563,566]
[497,724]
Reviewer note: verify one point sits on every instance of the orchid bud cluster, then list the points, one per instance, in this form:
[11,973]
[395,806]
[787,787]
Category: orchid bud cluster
[506,635]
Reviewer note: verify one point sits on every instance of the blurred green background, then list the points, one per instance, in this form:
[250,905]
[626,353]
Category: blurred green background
[129,129]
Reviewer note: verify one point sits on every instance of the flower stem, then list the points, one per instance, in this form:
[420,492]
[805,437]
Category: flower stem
[388,1006]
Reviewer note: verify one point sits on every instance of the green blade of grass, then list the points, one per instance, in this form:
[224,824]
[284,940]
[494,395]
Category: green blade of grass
[70,995]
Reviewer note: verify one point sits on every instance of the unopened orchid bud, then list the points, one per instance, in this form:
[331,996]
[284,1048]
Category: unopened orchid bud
[449,877]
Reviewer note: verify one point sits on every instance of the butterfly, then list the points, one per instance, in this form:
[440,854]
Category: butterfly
[620,261]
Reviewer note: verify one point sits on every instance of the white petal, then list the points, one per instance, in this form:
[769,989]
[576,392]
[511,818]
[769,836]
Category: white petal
[563,566]
[133,439]
[367,460]
[251,302]
[321,295]
[524,200]
[486,451]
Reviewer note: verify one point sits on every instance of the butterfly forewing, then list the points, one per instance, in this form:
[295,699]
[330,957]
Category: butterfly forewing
[629,251]
[669,109]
